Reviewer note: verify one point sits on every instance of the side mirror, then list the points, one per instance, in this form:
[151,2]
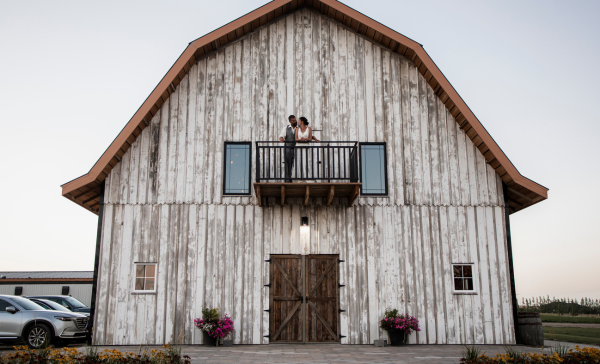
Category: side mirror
[11,309]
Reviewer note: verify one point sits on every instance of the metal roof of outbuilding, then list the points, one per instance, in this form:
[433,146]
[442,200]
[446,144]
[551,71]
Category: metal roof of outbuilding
[48,275]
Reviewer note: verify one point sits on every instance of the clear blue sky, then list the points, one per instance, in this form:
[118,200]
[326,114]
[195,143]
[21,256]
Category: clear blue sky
[72,73]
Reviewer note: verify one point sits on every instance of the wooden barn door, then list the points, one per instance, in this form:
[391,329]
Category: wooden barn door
[322,306]
[304,300]
[286,299]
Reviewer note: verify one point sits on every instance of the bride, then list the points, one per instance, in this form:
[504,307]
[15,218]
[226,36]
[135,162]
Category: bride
[304,132]
[304,160]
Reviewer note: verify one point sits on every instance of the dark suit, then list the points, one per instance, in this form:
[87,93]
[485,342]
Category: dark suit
[290,146]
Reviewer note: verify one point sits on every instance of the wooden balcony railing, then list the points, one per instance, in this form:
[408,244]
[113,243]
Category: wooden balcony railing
[326,168]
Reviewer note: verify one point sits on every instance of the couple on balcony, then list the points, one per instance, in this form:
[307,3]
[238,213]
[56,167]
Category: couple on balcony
[291,134]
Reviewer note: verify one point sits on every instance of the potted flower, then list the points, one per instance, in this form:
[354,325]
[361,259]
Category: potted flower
[398,326]
[215,329]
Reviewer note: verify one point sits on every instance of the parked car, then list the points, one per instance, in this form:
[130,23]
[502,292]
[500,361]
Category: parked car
[51,305]
[67,301]
[23,319]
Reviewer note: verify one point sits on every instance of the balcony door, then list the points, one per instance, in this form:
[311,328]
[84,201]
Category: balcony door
[304,299]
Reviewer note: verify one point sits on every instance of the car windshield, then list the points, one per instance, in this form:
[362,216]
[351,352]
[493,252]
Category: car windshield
[55,306]
[26,304]
[73,302]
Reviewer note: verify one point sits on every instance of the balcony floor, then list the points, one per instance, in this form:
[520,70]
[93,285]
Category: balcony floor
[307,190]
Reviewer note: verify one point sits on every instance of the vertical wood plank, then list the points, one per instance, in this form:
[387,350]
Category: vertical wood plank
[484,276]
[219,135]
[430,308]
[134,169]
[181,140]
[493,266]
[503,274]
[388,125]
[419,274]
[409,274]
[191,143]
[371,275]
[343,280]
[201,132]
[237,238]
[163,153]
[472,172]
[257,278]
[200,268]
[190,272]
[143,169]
[248,275]
[352,286]
[172,146]
[438,275]
[104,276]
[445,185]
[211,86]
[153,158]
[425,139]
[448,278]
[267,240]
[362,279]
[436,198]
[473,257]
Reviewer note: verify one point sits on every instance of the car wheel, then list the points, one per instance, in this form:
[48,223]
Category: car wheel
[38,336]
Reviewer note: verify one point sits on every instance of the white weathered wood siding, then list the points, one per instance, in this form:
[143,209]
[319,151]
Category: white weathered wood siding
[164,203]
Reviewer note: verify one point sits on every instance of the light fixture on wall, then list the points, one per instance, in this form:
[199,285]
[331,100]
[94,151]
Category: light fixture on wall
[304,235]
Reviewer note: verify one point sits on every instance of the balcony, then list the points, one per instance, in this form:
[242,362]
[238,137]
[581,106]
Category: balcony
[326,169]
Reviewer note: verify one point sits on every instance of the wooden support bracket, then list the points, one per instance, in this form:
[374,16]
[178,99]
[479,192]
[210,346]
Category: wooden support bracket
[282,195]
[306,194]
[258,198]
[353,196]
[330,197]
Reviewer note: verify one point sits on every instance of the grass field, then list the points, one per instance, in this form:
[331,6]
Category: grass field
[571,319]
[573,334]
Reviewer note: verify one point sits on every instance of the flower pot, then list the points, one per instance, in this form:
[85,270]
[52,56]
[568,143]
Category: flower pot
[209,340]
[397,337]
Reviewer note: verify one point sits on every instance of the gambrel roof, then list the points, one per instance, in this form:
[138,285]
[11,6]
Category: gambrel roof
[522,192]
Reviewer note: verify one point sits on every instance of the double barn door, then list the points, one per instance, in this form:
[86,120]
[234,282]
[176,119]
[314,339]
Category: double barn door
[304,299]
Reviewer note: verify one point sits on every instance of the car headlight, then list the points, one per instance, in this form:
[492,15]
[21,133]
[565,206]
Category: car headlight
[62,318]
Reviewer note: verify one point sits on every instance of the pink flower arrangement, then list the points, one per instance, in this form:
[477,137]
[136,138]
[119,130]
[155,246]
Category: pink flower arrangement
[217,328]
[395,321]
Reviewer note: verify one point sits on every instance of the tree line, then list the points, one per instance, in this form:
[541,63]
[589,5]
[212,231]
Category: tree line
[561,306]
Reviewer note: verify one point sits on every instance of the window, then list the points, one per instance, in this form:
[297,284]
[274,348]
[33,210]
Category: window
[65,290]
[236,180]
[4,305]
[18,290]
[145,277]
[463,278]
[373,172]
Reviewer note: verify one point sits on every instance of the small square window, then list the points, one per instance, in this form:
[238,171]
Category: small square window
[145,278]
[463,278]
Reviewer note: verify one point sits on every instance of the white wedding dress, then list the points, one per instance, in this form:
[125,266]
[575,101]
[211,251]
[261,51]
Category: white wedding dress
[301,134]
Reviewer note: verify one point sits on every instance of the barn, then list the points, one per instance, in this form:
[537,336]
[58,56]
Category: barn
[404,203]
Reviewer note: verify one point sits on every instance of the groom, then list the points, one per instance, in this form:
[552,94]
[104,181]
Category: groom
[288,136]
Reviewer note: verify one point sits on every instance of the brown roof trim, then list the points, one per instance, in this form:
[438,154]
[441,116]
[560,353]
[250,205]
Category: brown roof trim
[525,192]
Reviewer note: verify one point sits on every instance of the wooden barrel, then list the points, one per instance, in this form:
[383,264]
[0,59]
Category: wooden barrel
[530,329]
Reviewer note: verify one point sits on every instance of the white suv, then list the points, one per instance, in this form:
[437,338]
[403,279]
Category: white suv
[22,319]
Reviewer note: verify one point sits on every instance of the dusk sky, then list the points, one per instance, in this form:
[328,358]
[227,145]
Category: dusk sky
[74,72]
